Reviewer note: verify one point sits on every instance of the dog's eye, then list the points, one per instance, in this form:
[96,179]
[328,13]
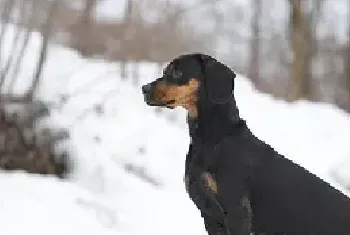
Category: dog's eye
[177,74]
[172,73]
[166,72]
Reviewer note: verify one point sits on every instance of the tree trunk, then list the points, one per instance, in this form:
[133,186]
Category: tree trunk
[11,58]
[129,7]
[347,66]
[46,32]
[83,40]
[299,43]
[311,27]
[254,66]
[5,15]
[28,25]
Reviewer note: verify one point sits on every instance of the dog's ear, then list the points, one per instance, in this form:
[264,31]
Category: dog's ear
[219,79]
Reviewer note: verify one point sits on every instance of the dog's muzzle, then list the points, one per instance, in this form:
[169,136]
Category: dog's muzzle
[148,94]
[148,91]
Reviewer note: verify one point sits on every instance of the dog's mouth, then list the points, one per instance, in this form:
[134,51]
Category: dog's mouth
[170,104]
[166,104]
[159,99]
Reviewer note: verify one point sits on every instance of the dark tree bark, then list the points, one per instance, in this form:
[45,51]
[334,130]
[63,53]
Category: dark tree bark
[299,43]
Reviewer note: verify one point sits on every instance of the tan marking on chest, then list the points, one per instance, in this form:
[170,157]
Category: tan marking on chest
[210,182]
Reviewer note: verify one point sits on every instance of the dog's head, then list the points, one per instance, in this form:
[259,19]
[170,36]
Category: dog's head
[189,79]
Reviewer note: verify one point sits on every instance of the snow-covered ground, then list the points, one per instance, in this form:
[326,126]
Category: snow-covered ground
[102,196]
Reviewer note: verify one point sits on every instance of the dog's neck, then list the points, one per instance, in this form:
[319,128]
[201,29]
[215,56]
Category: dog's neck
[214,121]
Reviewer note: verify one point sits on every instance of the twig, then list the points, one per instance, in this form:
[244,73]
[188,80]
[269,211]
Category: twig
[14,46]
[43,54]
[28,33]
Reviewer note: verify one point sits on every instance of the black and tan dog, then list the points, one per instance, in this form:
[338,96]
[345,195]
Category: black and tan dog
[239,183]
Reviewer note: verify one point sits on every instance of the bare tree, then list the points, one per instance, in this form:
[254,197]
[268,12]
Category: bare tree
[15,42]
[313,20]
[5,15]
[28,24]
[347,64]
[254,66]
[46,32]
[84,26]
[129,7]
[298,30]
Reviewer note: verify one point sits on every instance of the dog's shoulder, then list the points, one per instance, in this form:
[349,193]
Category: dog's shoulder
[241,155]
[242,144]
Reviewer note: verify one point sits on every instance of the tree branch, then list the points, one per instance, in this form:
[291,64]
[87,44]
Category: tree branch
[43,53]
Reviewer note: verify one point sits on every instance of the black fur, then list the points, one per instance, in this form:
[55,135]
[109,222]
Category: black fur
[258,189]
[218,88]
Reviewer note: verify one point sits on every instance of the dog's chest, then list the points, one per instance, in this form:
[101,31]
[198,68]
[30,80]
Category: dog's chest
[200,180]
[203,158]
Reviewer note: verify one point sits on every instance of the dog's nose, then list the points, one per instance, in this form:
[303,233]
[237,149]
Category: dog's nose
[146,88]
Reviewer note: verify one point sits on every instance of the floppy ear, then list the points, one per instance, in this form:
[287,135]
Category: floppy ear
[218,80]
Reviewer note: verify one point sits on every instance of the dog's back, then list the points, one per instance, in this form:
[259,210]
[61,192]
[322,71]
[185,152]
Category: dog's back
[286,197]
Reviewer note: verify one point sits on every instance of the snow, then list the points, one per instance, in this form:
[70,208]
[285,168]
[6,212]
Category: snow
[102,196]
[26,207]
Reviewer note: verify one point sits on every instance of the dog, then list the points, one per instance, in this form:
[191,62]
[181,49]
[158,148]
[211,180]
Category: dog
[240,184]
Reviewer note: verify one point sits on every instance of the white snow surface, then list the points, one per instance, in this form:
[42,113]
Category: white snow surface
[101,197]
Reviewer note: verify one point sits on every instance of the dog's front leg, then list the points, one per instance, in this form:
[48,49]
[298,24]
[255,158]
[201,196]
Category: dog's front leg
[214,226]
[238,220]
[231,217]
[237,208]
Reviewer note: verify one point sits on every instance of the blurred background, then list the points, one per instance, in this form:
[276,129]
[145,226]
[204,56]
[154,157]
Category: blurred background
[81,153]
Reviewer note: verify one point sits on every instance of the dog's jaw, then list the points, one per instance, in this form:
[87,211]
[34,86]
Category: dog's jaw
[192,111]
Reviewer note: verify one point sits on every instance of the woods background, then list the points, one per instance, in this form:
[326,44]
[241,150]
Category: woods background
[292,49]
